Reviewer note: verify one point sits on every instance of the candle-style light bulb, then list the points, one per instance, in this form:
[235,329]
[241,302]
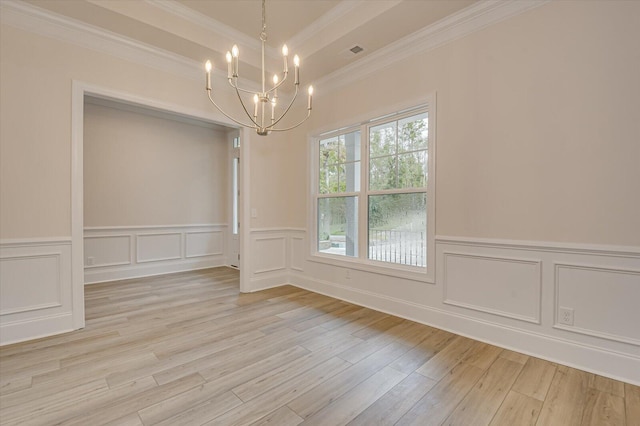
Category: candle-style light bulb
[275,83]
[235,53]
[273,110]
[285,53]
[296,62]
[229,66]
[255,105]
[208,67]
[285,50]
[310,97]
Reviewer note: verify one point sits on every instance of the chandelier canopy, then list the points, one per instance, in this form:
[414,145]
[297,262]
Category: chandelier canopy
[258,120]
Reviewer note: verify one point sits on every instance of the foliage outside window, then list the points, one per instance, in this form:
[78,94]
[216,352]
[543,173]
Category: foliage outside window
[377,186]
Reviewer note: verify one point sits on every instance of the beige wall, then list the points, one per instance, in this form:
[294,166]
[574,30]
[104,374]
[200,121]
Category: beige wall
[145,170]
[36,75]
[537,127]
[538,130]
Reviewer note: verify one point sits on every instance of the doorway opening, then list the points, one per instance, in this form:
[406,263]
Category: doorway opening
[83,94]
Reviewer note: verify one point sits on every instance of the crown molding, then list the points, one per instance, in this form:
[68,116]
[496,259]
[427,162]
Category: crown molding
[46,23]
[49,24]
[469,20]
[213,25]
[316,27]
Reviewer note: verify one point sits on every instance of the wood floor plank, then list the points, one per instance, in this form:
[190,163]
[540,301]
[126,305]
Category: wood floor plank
[190,349]
[350,404]
[445,360]
[316,399]
[517,409]
[632,404]
[605,384]
[535,379]
[283,416]
[441,400]
[423,352]
[394,404]
[270,379]
[137,402]
[603,409]
[484,399]
[514,356]
[202,412]
[268,402]
[566,399]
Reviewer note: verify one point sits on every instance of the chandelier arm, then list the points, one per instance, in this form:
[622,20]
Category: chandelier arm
[228,116]
[280,83]
[257,126]
[285,111]
[292,127]
[235,86]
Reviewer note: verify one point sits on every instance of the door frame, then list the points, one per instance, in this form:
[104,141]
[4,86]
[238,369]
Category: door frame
[81,89]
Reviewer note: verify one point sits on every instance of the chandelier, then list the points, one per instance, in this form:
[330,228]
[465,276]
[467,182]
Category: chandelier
[265,98]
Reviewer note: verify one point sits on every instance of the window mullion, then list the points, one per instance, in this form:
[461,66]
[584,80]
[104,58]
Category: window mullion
[363,204]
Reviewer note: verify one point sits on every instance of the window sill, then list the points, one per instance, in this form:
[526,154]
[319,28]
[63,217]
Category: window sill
[396,271]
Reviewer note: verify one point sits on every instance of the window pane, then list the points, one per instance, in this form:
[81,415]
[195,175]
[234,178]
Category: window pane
[329,151]
[412,133]
[382,173]
[382,140]
[352,146]
[350,177]
[328,182]
[339,164]
[412,170]
[398,228]
[338,225]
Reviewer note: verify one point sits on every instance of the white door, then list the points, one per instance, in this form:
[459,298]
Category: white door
[234,249]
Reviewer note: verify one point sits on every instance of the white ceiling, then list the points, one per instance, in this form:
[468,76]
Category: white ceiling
[321,32]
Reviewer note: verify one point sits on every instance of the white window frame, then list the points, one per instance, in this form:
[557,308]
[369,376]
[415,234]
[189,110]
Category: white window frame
[361,262]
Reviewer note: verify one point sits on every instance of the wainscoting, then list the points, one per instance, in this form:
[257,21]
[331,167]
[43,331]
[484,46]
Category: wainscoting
[513,294]
[115,253]
[274,253]
[36,295]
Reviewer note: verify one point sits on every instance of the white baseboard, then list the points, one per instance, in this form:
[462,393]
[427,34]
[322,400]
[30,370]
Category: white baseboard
[504,292]
[117,253]
[147,270]
[611,364]
[35,328]
[36,287]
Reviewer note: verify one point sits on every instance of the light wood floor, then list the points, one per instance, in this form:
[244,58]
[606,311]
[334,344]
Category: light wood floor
[188,349]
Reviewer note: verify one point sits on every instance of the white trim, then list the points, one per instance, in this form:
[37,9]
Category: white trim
[536,262]
[28,242]
[29,317]
[427,105]
[35,328]
[596,249]
[275,230]
[60,281]
[225,31]
[316,27]
[133,227]
[556,305]
[210,231]
[282,238]
[151,269]
[469,20]
[605,362]
[79,91]
[49,24]
[473,18]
